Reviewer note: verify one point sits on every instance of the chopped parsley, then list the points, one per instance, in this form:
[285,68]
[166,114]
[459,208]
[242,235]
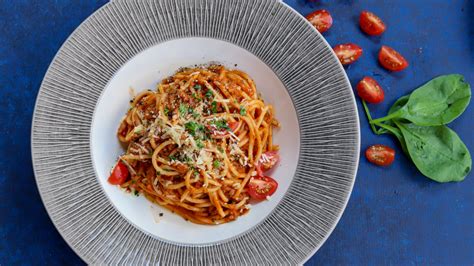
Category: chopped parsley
[243,111]
[197,87]
[136,193]
[172,158]
[193,127]
[214,107]
[186,159]
[216,164]
[183,110]
[166,110]
[221,124]
[209,94]
[196,97]
[199,144]
[219,148]
[195,115]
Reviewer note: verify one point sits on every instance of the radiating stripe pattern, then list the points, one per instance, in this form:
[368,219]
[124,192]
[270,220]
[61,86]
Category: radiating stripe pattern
[122,29]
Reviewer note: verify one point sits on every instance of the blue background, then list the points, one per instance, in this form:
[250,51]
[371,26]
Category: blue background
[394,216]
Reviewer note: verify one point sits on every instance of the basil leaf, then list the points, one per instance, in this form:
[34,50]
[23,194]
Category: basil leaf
[438,102]
[389,126]
[437,151]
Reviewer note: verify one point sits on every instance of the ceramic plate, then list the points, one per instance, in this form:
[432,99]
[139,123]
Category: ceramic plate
[135,44]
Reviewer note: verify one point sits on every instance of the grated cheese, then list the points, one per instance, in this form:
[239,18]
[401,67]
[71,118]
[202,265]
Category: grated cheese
[138,129]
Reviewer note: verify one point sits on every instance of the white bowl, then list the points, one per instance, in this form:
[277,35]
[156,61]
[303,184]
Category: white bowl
[143,72]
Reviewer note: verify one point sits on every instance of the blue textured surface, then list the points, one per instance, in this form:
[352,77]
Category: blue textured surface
[394,216]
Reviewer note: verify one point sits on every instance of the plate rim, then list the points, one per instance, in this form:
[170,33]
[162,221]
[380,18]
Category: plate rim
[356,168]
[33,122]
[347,84]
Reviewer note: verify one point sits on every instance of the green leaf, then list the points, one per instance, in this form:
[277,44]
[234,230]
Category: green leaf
[209,94]
[191,127]
[197,87]
[438,102]
[216,164]
[199,144]
[183,110]
[214,107]
[221,124]
[390,127]
[196,97]
[166,110]
[243,112]
[437,151]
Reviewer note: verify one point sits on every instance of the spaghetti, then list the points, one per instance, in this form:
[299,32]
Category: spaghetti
[199,145]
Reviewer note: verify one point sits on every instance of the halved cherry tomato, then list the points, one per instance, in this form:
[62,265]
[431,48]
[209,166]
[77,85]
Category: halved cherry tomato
[267,161]
[347,53]
[370,90]
[380,155]
[119,175]
[321,20]
[391,59]
[371,23]
[260,187]
[222,133]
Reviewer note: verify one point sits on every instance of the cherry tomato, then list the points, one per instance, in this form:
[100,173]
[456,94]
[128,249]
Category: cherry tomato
[321,20]
[119,175]
[391,59]
[370,90]
[371,23]
[267,161]
[380,155]
[347,53]
[260,187]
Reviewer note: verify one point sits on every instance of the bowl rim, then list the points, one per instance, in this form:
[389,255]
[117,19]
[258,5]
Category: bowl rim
[91,17]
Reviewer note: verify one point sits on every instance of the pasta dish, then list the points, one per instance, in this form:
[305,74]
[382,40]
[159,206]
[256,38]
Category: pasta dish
[199,145]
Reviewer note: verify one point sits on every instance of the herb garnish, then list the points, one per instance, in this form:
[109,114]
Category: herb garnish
[183,109]
[199,144]
[418,122]
[214,107]
[193,127]
[221,124]
[243,111]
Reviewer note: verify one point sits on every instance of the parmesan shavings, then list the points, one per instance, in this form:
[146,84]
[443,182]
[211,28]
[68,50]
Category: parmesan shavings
[138,129]
[264,158]
[221,100]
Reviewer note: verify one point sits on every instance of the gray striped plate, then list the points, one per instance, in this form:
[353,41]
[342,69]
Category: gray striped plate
[315,100]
